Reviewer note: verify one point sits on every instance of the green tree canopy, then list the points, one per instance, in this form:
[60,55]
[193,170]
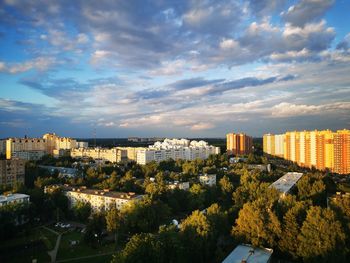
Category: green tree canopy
[322,238]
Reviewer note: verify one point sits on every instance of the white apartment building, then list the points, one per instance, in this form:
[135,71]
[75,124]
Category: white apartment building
[176,149]
[113,155]
[100,200]
[279,145]
[208,179]
[14,199]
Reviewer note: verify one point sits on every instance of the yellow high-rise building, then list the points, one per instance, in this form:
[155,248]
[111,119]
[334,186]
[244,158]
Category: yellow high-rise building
[269,144]
[47,144]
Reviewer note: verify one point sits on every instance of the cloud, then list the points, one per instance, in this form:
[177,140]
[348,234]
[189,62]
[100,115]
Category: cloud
[40,64]
[306,11]
[345,43]
[202,126]
[285,109]
[265,7]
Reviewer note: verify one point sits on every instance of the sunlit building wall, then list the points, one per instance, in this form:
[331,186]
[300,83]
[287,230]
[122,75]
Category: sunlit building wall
[239,143]
[323,150]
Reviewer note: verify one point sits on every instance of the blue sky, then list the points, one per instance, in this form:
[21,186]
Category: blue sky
[179,68]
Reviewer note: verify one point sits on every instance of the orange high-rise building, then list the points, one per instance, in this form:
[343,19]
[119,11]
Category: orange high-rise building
[239,143]
[319,149]
[342,152]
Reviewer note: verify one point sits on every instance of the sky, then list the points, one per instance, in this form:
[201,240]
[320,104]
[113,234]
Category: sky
[173,68]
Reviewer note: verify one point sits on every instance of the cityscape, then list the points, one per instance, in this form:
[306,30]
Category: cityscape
[175,131]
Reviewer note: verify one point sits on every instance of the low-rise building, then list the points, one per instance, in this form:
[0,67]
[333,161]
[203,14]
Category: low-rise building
[249,254]
[260,167]
[14,199]
[12,172]
[60,153]
[286,183]
[208,179]
[178,185]
[100,200]
[62,171]
[82,144]
[113,155]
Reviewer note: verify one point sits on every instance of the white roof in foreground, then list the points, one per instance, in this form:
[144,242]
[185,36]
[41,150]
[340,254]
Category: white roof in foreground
[286,182]
[12,197]
[250,254]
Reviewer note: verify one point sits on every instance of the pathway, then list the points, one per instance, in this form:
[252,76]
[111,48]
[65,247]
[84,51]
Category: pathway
[53,253]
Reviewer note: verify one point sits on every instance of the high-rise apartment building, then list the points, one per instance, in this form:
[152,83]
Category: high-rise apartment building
[239,143]
[12,172]
[16,147]
[320,149]
[341,142]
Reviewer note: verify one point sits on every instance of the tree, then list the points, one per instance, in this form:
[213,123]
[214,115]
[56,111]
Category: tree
[312,187]
[82,211]
[142,247]
[292,223]
[197,193]
[225,185]
[258,224]
[94,229]
[145,215]
[322,238]
[195,231]
[341,205]
[114,222]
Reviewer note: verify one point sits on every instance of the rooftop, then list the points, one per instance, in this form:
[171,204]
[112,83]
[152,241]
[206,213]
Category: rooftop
[248,254]
[12,197]
[105,192]
[286,182]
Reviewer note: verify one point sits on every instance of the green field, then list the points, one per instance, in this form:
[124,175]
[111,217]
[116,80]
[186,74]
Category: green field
[68,251]
[29,246]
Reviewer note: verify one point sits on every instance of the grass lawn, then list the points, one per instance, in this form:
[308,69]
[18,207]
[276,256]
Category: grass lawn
[66,251]
[24,248]
[97,259]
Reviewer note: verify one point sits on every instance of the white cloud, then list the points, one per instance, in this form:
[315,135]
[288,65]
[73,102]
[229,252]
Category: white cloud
[202,126]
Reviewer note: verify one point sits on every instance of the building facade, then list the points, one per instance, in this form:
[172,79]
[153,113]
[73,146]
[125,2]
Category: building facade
[113,155]
[239,144]
[12,172]
[14,199]
[175,149]
[100,200]
[323,150]
[208,179]
[48,144]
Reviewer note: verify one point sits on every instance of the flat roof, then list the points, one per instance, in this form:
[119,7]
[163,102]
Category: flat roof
[99,192]
[286,182]
[249,253]
[12,197]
